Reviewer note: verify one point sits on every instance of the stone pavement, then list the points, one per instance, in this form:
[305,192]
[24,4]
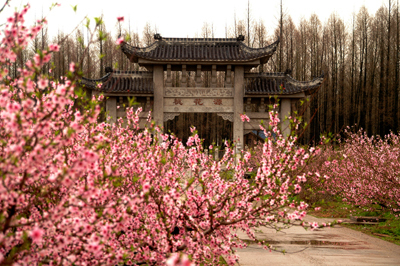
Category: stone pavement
[328,246]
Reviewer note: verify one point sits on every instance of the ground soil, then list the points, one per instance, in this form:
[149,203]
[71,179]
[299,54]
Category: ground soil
[328,246]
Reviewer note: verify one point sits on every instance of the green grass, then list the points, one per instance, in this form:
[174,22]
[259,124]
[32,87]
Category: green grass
[388,230]
[332,209]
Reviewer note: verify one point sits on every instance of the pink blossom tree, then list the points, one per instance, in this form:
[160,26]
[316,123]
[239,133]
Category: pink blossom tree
[76,191]
[362,170]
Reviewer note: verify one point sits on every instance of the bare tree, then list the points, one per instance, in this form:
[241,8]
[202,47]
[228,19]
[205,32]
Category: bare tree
[249,22]
[148,33]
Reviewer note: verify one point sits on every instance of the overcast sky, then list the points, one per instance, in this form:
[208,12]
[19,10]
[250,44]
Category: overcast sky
[185,18]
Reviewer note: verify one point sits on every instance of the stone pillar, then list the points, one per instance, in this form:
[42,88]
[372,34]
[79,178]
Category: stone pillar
[216,154]
[262,107]
[184,76]
[147,107]
[198,77]
[238,152]
[158,107]
[248,107]
[168,82]
[285,111]
[214,76]
[228,82]
[111,109]
[238,104]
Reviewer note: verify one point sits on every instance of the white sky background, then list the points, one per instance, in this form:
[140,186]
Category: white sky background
[184,18]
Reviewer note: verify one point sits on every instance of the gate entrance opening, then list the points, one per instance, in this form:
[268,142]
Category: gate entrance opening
[212,128]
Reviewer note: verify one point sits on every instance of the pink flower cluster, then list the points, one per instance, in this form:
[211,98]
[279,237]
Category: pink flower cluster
[244,118]
[120,40]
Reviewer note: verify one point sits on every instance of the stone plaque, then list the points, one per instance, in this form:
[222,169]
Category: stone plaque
[205,101]
[198,92]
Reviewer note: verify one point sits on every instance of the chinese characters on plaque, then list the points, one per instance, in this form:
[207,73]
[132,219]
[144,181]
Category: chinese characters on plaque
[198,102]
[218,101]
[177,101]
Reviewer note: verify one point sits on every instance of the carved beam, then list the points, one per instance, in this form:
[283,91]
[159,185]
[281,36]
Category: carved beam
[226,116]
[170,116]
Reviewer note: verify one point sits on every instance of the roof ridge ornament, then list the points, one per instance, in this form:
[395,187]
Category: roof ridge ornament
[240,38]
[157,36]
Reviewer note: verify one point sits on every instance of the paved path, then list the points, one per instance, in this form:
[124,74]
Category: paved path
[329,246]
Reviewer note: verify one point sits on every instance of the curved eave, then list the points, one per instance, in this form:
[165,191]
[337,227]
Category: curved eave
[92,83]
[308,87]
[263,54]
[291,86]
[132,51]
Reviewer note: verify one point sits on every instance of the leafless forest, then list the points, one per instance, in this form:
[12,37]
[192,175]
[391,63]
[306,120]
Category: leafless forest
[360,59]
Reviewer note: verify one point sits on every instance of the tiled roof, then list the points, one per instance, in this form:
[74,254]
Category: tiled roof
[279,83]
[199,49]
[140,82]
